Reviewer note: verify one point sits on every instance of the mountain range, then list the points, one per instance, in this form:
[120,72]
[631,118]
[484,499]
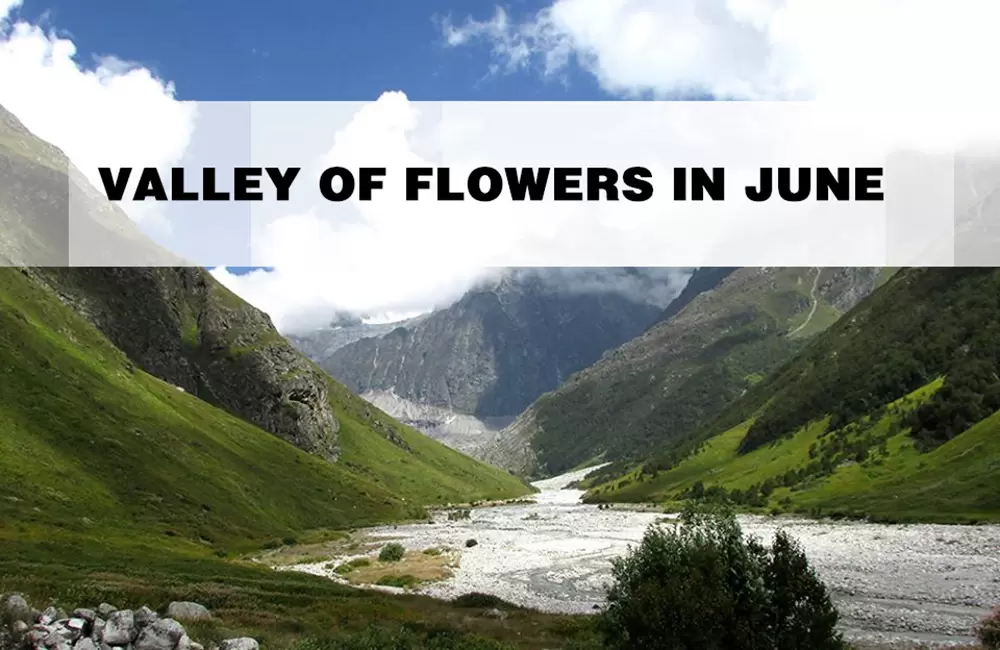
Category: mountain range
[464,371]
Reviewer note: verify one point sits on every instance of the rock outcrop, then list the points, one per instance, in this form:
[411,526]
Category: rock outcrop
[506,342]
[182,326]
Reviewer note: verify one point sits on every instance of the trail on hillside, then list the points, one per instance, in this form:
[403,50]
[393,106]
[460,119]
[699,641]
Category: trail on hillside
[815,303]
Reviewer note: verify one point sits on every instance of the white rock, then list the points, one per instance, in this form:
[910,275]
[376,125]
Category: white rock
[188,611]
[241,643]
[120,628]
[164,634]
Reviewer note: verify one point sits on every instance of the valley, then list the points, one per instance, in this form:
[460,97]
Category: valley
[894,584]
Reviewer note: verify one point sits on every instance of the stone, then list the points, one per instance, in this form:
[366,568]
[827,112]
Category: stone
[241,643]
[19,627]
[105,610]
[16,608]
[85,643]
[97,632]
[164,634]
[145,616]
[120,628]
[184,643]
[49,615]
[37,634]
[188,611]
[77,626]
[495,613]
[86,614]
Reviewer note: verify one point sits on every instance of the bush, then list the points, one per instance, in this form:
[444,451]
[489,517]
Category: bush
[393,552]
[702,584]
[988,630]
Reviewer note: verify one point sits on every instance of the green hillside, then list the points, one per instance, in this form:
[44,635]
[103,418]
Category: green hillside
[654,392]
[890,413]
[89,443]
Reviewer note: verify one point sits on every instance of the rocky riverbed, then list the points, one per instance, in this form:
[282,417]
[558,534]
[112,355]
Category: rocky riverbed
[896,586]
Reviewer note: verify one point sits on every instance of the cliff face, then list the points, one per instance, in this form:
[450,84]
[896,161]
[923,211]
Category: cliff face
[176,323]
[181,325]
[499,347]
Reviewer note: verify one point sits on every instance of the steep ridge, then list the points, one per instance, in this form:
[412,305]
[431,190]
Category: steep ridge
[891,413]
[658,388]
[107,402]
[182,326]
[503,343]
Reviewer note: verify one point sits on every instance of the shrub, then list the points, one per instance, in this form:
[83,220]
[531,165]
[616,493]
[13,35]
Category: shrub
[397,581]
[479,600]
[988,630]
[347,567]
[393,552]
[702,584]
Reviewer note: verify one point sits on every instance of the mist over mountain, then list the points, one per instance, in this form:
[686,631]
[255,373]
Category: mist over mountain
[509,339]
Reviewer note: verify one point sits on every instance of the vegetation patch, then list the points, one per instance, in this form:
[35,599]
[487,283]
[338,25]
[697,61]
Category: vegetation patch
[422,567]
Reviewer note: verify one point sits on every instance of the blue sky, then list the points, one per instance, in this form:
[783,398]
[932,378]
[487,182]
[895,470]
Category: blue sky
[60,65]
[303,49]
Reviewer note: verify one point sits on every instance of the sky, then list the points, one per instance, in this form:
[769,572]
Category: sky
[110,78]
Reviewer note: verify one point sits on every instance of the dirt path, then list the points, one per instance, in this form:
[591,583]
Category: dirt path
[815,304]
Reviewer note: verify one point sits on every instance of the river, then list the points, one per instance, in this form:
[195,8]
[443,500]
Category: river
[893,584]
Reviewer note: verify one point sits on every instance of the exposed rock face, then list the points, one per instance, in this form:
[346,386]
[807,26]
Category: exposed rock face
[181,325]
[460,431]
[178,324]
[505,343]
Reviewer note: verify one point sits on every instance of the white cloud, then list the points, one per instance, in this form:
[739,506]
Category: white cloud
[111,113]
[912,50]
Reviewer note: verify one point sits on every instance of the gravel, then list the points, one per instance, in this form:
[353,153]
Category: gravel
[902,586]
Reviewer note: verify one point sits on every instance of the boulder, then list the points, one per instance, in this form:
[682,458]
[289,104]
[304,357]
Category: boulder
[97,631]
[19,628]
[105,610]
[145,616]
[49,615]
[241,643]
[16,608]
[120,628]
[86,614]
[164,634]
[85,643]
[188,611]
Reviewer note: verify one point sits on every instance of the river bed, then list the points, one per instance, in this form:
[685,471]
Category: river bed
[893,584]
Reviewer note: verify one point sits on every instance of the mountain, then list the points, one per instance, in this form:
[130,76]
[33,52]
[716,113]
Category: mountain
[889,413]
[733,328]
[503,344]
[320,344]
[152,401]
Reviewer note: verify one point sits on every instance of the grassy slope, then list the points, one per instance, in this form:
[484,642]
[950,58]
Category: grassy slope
[952,483]
[652,394]
[926,337]
[115,485]
[114,445]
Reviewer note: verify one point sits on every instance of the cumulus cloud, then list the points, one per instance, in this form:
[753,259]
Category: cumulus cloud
[914,50]
[111,112]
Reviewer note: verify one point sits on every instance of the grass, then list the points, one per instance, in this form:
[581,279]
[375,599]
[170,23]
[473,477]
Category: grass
[952,483]
[116,486]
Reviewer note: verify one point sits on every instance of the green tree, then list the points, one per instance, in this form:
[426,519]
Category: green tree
[702,585]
